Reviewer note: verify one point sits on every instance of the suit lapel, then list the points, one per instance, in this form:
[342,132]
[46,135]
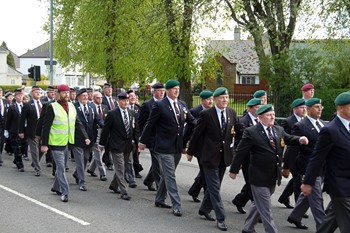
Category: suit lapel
[263,135]
[215,118]
[342,128]
[171,109]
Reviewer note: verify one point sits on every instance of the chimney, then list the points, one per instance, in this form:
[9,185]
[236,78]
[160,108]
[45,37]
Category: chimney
[237,33]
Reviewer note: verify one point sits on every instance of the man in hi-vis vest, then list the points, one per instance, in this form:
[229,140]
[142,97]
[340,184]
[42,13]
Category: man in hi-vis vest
[58,131]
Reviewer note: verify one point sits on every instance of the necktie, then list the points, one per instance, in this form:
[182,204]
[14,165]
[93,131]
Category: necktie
[132,107]
[20,108]
[256,120]
[177,112]
[272,139]
[39,106]
[126,124]
[223,122]
[100,112]
[318,126]
[111,103]
[86,112]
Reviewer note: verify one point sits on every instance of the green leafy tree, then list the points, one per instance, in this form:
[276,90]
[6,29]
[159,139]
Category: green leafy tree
[10,59]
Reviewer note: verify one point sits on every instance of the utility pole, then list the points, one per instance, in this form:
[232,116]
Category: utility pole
[51,42]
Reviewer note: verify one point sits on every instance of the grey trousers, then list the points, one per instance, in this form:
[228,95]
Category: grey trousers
[97,157]
[60,182]
[261,206]
[168,164]
[314,201]
[329,224]
[81,156]
[33,145]
[119,161]
[341,208]
[154,171]
[129,170]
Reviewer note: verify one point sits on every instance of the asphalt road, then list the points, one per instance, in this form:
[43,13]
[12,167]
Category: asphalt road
[28,205]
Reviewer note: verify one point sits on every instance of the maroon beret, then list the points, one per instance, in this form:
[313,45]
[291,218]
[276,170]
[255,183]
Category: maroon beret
[63,87]
[307,87]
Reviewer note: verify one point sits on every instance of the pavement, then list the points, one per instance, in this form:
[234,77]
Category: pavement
[28,205]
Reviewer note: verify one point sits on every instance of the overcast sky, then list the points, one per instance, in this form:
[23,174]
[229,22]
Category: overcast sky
[21,23]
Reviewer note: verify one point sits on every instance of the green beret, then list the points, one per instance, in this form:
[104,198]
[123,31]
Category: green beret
[220,91]
[259,93]
[312,101]
[342,98]
[253,102]
[205,94]
[171,83]
[298,102]
[264,108]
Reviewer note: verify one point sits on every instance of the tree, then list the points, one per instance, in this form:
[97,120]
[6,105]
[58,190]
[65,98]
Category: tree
[10,59]
[275,20]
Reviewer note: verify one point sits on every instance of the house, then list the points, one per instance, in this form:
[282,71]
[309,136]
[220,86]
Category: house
[40,56]
[239,65]
[8,75]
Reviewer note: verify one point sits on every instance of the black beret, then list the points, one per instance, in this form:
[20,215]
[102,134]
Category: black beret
[129,91]
[89,89]
[123,96]
[81,91]
[107,85]
[158,85]
[50,88]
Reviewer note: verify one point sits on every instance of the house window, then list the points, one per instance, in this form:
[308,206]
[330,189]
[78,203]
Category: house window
[13,82]
[249,80]
[219,78]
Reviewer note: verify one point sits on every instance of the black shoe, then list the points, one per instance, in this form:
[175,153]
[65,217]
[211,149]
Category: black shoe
[137,175]
[239,208]
[222,226]
[286,204]
[125,196]
[55,191]
[305,216]
[76,178]
[132,186]
[21,169]
[206,215]
[150,187]
[299,225]
[64,198]
[82,188]
[48,164]
[93,174]
[177,212]
[196,199]
[67,168]
[103,178]
[114,190]
[163,205]
[36,173]
[110,167]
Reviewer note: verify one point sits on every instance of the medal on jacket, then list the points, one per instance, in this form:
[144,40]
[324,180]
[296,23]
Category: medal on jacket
[233,130]
[185,113]
[282,143]
[133,122]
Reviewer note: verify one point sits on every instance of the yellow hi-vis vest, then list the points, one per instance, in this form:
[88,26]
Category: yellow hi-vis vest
[63,125]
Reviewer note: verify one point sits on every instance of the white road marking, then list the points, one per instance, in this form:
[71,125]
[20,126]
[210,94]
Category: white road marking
[82,222]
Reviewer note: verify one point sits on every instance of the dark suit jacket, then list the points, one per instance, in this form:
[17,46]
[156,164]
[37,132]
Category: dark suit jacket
[168,133]
[104,109]
[12,120]
[187,135]
[333,148]
[209,138]
[39,124]
[105,102]
[301,154]
[265,162]
[29,119]
[288,123]
[90,125]
[145,111]
[114,133]
[3,117]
